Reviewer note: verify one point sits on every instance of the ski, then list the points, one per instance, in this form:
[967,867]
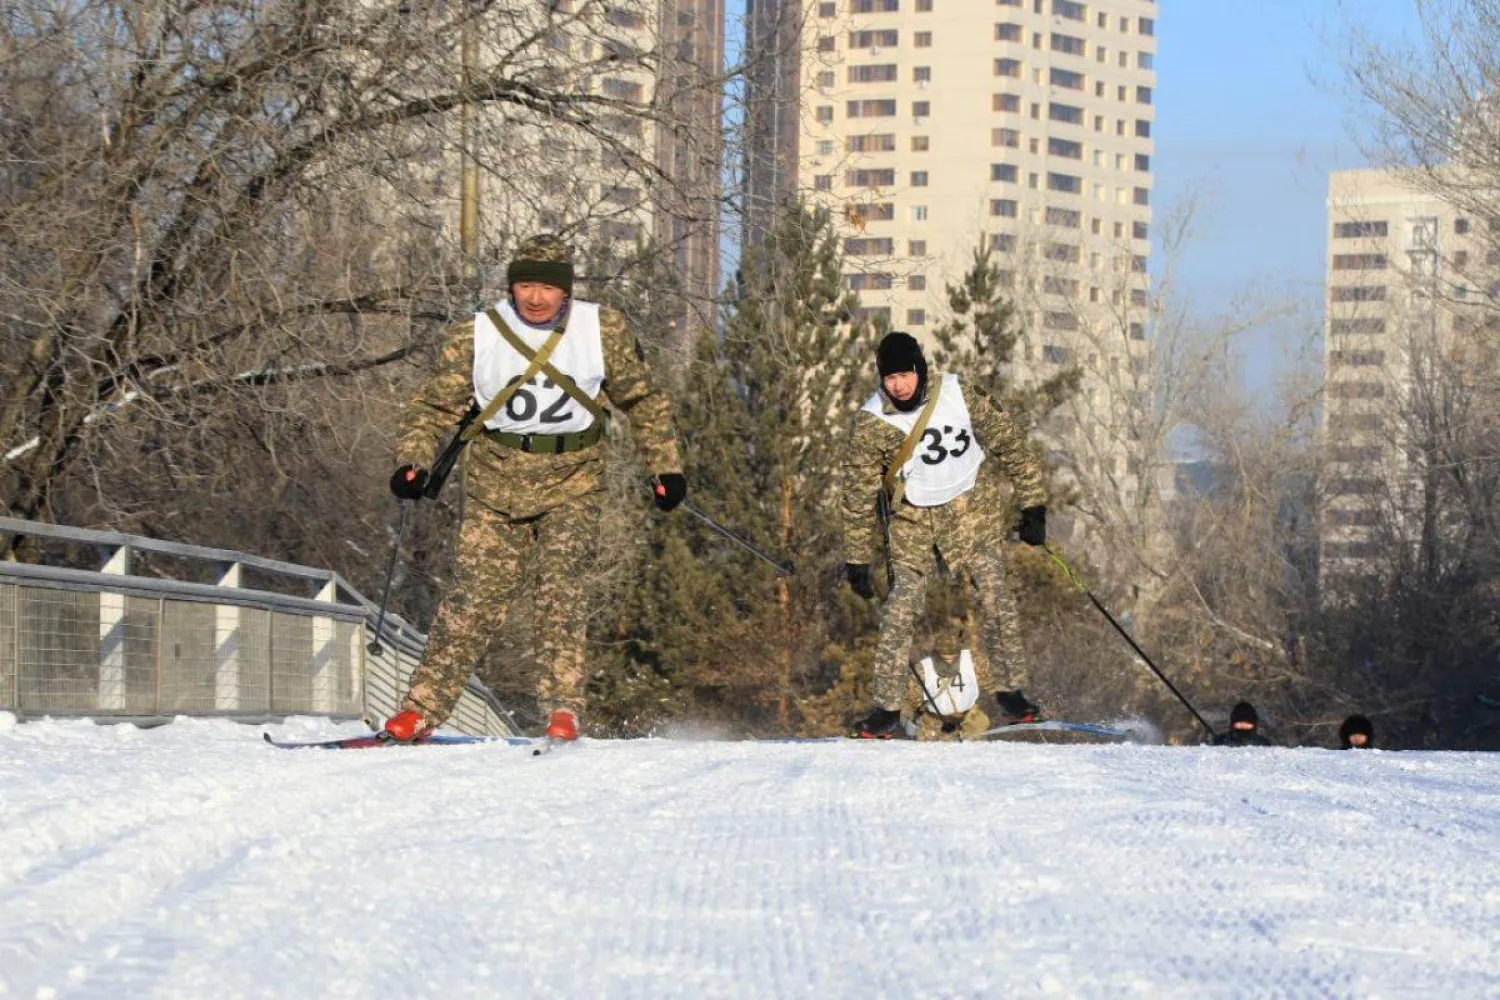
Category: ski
[370,741]
[1055,726]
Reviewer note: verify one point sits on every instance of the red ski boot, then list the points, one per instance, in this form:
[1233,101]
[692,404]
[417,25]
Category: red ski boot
[406,727]
[563,726]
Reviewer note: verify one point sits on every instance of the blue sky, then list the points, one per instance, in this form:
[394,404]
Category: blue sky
[1252,116]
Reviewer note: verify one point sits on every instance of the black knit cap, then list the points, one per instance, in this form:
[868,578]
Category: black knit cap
[1244,712]
[1356,724]
[900,352]
[542,258]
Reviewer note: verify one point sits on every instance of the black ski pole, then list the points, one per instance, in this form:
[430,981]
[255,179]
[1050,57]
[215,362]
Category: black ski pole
[786,568]
[1072,576]
[883,515]
[374,648]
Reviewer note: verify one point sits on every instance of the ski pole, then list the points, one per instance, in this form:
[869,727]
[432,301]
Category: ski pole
[374,648]
[1073,577]
[786,568]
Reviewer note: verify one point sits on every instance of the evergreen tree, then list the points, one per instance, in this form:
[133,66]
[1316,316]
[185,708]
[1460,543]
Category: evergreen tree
[764,417]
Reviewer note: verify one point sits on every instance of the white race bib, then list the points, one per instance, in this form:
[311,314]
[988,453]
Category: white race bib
[945,463]
[953,695]
[539,407]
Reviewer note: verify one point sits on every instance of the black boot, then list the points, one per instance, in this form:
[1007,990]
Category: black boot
[880,724]
[1016,707]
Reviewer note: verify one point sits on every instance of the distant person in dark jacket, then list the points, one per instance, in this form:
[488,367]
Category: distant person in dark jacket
[1244,728]
[1356,734]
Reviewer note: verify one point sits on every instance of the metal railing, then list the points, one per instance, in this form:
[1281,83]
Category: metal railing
[111,643]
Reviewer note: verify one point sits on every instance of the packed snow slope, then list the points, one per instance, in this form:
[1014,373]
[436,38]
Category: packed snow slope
[195,861]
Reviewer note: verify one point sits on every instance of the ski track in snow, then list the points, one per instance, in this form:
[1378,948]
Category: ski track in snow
[194,861]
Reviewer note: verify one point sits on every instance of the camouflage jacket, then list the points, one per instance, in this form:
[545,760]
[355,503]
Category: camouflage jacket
[522,484]
[874,443]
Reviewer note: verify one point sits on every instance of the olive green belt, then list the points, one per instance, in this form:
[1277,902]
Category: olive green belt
[548,444]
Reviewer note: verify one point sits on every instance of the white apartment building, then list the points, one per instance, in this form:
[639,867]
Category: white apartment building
[1408,278]
[931,127]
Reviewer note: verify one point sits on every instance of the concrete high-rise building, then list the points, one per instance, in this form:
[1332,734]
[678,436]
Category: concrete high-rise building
[932,127]
[1406,283]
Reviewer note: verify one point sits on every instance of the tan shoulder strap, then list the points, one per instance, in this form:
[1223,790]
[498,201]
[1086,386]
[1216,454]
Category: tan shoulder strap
[535,363]
[559,378]
[895,483]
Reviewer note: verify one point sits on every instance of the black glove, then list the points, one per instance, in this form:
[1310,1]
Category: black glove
[408,482]
[861,581]
[669,490]
[1033,526]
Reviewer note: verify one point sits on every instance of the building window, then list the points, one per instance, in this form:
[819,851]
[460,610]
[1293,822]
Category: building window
[1137,331]
[870,109]
[1068,45]
[874,6]
[1356,359]
[1065,148]
[919,143]
[825,147]
[922,40]
[875,39]
[824,114]
[921,74]
[1005,102]
[1007,137]
[919,213]
[869,246]
[921,109]
[1460,226]
[1003,242]
[1003,173]
[825,43]
[1054,354]
[1357,324]
[827,9]
[875,73]
[1065,113]
[1054,285]
[1359,293]
[1359,230]
[1065,78]
[1065,217]
[1007,32]
[870,178]
[1142,129]
[1058,320]
[823,182]
[924,6]
[873,281]
[1140,196]
[877,142]
[1004,207]
[1072,11]
[825,78]
[1359,262]
[1144,60]
[1140,231]
[916,283]
[916,248]
[919,178]
[1146,26]
[1065,183]
[873,211]
[1008,67]
[916,317]
[1064,253]
[1142,95]
[1142,163]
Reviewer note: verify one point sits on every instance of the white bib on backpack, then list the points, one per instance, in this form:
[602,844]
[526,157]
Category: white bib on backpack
[945,463]
[953,695]
[539,407]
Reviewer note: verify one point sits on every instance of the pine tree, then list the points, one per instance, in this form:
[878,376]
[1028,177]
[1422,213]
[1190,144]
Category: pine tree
[764,417]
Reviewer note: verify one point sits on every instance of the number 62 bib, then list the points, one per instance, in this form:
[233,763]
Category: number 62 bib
[540,407]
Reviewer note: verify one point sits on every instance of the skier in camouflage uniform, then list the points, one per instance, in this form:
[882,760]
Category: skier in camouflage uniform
[947,503]
[533,479]
[943,690]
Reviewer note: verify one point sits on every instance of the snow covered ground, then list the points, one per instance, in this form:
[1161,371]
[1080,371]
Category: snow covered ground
[195,861]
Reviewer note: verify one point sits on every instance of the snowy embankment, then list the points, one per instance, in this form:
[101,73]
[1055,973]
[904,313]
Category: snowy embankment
[195,861]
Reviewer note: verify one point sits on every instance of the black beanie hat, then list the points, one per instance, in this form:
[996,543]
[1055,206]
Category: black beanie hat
[900,352]
[1356,724]
[543,258]
[1243,712]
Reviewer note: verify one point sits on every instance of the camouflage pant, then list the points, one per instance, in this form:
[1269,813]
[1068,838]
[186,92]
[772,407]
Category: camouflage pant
[969,532]
[493,555]
[970,726]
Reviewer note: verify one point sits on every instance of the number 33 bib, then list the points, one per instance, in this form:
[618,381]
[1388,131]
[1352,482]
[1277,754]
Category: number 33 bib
[946,461]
